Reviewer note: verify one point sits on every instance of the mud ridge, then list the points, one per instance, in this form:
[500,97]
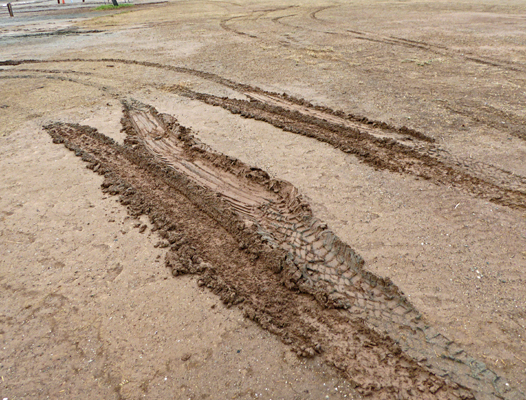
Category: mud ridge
[240,87]
[376,143]
[186,216]
[248,90]
[256,243]
[430,163]
[325,113]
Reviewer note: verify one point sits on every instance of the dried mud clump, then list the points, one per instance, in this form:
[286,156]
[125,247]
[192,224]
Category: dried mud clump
[254,242]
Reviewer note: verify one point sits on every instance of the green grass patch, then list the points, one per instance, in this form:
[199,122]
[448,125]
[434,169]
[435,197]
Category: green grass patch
[112,7]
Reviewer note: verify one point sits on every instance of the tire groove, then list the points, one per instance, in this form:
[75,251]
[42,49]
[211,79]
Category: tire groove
[249,274]
[333,274]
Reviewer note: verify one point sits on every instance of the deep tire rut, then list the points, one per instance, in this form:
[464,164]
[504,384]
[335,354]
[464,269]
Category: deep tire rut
[376,143]
[256,243]
[398,150]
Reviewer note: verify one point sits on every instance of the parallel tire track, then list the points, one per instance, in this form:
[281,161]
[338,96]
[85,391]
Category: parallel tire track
[268,222]
[433,48]
[376,143]
[426,162]
[206,236]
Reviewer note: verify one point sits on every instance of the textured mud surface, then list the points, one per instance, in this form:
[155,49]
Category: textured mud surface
[376,143]
[374,146]
[256,244]
[401,123]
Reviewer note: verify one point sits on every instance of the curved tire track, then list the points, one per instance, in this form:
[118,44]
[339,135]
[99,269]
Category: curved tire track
[260,14]
[375,143]
[433,48]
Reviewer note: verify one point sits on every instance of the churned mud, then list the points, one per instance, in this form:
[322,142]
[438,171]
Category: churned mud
[383,146]
[255,242]
[379,145]
[416,111]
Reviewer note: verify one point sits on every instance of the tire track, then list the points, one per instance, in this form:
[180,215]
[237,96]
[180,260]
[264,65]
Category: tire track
[376,143]
[260,14]
[312,270]
[224,24]
[436,49]
[484,114]
[424,161]
[405,136]
[183,70]
[244,89]
[59,78]
[433,48]
[398,41]
[314,14]
[515,129]
[274,247]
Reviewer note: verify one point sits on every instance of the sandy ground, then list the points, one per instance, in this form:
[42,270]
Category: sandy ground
[73,264]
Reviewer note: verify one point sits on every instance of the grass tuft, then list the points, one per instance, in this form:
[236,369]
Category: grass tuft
[111,6]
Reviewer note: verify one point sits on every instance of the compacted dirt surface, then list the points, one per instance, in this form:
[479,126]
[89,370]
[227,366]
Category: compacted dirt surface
[309,200]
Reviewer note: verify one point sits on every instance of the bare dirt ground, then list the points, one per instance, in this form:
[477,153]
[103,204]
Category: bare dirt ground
[400,125]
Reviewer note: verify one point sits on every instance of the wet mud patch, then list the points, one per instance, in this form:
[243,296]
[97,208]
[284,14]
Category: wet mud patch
[376,143]
[399,150]
[254,242]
